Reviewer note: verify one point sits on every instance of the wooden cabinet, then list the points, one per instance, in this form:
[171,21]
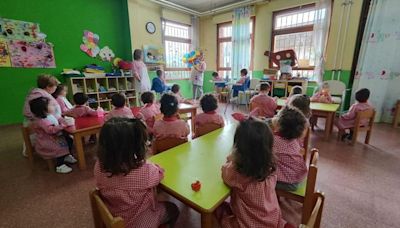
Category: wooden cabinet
[282,88]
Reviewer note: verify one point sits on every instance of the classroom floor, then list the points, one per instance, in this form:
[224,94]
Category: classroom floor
[361,184]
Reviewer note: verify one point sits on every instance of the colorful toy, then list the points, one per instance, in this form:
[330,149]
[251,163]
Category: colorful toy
[192,58]
[196,186]
[106,54]
[89,45]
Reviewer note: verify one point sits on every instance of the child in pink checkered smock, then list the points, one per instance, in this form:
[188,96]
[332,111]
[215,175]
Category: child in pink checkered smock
[150,109]
[118,100]
[81,108]
[249,172]
[209,105]
[290,125]
[126,181]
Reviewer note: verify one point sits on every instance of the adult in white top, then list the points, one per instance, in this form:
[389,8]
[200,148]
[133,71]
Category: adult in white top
[197,77]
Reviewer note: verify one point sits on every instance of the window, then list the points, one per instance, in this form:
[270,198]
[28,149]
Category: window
[224,47]
[177,42]
[293,29]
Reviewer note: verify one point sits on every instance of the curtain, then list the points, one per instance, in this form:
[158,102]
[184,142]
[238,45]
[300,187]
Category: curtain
[195,33]
[320,35]
[378,67]
[240,40]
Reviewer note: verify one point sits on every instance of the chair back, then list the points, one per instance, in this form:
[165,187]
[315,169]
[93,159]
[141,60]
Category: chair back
[336,87]
[206,128]
[161,145]
[315,218]
[101,215]
[246,84]
[366,115]
[254,82]
[306,142]
[311,182]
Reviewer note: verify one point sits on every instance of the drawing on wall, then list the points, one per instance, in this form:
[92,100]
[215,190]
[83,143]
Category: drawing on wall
[20,30]
[90,43]
[31,54]
[106,54]
[4,54]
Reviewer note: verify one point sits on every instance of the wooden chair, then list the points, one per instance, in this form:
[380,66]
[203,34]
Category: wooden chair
[396,116]
[204,129]
[101,215]
[306,189]
[164,144]
[306,143]
[362,115]
[26,132]
[316,215]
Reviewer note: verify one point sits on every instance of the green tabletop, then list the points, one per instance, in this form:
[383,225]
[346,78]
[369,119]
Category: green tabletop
[315,106]
[200,159]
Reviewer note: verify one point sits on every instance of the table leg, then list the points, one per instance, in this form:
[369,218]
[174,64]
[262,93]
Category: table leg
[79,151]
[332,121]
[193,113]
[328,125]
[206,220]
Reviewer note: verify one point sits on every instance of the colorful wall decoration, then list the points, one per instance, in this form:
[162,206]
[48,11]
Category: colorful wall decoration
[90,43]
[5,60]
[31,54]
[19,30]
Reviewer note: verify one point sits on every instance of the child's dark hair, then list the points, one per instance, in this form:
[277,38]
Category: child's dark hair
[118,153]
[118,100]
[264,86]
[169,105]
[208,103]
[58,91]
[39,107]
[243,71]
[296,90]
[252,153]
[362,95]
[80,98]
[302,102]
[46,80]
[215,74]
[137,54]
[175,88]
[159,72]
[147,97]
[291,123]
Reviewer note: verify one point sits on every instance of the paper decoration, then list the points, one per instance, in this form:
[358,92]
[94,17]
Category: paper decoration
[4,54]
[31,54]
[106,54]
[89,45]
[20,30]
[191,58]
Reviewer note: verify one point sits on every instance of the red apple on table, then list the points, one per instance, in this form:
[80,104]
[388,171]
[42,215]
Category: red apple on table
[196,186]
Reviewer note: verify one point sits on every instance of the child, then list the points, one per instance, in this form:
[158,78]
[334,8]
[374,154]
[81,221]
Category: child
[175,89]
[289,126]
[170,125]
[323,95]
[302,102]
[126,181]
[61,97]
[118,100]
[249,172]
[265,106]
[158,83]
[47,85]
[50,142]
[241,84]
[81,109]
[209,105]
[150,110]
[296,90]
[219,82]
[347,120]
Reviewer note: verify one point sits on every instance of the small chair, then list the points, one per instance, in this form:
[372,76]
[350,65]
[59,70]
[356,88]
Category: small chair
[306,189]
[206,128]
[101,215]
[306,142]
[316,214]
[26,132]
[396,116]
[362,115]
[161,145]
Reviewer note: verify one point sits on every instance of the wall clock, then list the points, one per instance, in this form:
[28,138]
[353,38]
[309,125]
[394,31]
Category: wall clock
[150,27]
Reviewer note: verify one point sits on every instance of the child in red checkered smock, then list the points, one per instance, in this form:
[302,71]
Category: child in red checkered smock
[249,172]
[209,105]
[81,109]
[126,181]
[290,125]
[150,109]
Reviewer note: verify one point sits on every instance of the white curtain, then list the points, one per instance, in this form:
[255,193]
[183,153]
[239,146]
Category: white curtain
[195,33]
[378,67]
[240,40]
[320,35]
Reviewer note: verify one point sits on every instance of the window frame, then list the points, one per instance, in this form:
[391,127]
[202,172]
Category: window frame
[274,32]
[229,39]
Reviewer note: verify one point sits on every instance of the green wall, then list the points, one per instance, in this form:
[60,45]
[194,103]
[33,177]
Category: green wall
[63,21]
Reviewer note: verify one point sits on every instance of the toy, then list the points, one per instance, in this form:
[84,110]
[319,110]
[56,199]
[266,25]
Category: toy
[106,54]
[285,60]
[196,186]
[192,58]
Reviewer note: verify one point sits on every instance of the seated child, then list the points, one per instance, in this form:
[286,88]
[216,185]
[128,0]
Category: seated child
[61,97]
[150,109]
[118,100]
[294,91]
[50,142]
[47,85]
[209,104]
[289,126]
[323,95]
[81,109]
[265,106]
[170,125]
[175,90]
[240,85]
[158,83]
[249,172]
[126,181]
[347,120]
[302,102]
[219,82]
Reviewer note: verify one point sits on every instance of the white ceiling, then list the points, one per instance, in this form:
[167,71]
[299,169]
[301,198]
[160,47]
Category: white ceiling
[203,5]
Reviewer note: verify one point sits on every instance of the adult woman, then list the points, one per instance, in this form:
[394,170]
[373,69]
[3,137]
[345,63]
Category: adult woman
[139,71]
[197,76]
